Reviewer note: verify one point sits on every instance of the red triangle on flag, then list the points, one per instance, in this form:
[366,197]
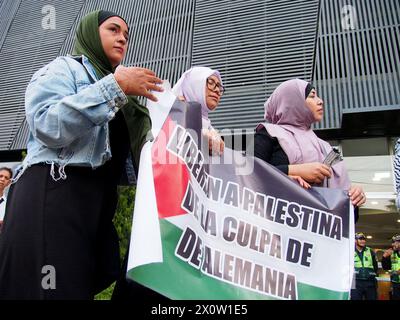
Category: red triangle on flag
[171,176]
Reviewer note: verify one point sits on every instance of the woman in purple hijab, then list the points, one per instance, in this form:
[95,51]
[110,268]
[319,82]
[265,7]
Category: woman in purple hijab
[287,141]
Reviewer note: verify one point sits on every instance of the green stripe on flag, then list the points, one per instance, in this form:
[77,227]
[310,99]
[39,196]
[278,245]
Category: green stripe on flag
[308,292]
[176,279]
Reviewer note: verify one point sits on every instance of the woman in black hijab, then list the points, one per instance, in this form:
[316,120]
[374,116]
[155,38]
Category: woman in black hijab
[59,241]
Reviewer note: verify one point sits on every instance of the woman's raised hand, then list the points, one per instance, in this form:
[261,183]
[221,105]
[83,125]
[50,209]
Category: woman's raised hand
[138,81]
[313,172]
[357,196]
[301,181]
[215,143]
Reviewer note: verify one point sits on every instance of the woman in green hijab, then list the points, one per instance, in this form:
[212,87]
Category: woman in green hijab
[58,240]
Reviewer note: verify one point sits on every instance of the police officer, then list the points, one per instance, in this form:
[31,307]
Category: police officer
[366,268]
[391,262]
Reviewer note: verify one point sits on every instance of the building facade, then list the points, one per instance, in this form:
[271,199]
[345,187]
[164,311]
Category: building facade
[348,48]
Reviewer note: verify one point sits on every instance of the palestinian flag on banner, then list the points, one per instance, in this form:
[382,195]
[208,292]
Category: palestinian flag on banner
[231,226]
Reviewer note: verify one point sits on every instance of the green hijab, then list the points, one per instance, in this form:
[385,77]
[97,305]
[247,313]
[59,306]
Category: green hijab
[88,43]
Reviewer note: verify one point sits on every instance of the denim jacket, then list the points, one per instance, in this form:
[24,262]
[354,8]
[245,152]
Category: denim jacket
[68,110]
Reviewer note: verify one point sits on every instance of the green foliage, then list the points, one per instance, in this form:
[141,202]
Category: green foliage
[123,224]
[123,216]
[105,294]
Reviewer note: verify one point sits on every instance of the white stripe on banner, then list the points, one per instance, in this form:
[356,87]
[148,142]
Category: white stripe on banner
[145,214]
[352,248]
[159,111]
[145,223]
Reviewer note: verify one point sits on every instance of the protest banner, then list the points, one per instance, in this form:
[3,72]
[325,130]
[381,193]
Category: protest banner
[232,226]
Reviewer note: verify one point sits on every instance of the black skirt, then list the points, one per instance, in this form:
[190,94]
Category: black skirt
[63,226]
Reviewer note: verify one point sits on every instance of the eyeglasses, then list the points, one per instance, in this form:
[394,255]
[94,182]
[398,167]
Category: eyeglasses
[212,85]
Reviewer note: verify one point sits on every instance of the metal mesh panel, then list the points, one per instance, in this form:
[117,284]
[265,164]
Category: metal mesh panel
[7,12]
[160,33]
[161,38]
[357,61]
[255,45]
[27,46]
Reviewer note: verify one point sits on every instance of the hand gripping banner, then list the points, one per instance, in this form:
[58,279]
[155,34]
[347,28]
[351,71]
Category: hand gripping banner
[231,226]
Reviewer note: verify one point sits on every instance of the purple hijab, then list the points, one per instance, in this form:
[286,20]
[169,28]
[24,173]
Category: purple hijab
[290,120]
[192,86]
